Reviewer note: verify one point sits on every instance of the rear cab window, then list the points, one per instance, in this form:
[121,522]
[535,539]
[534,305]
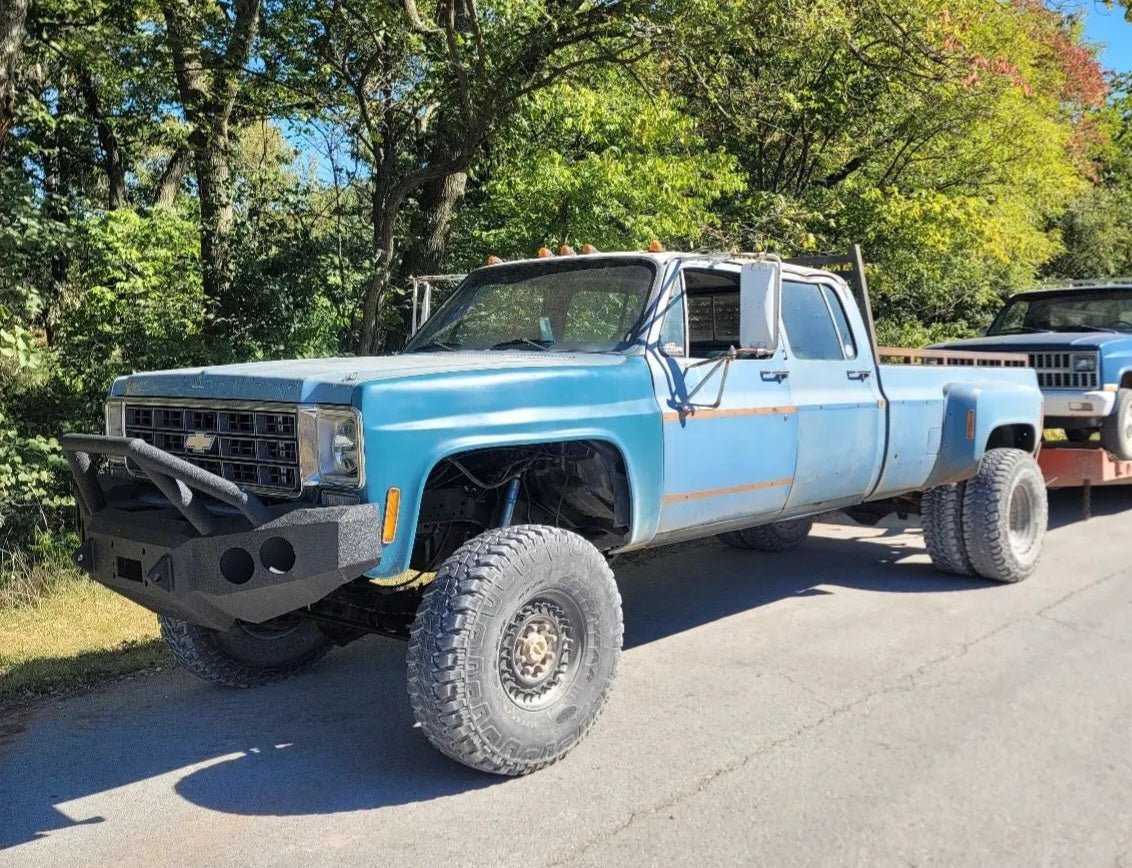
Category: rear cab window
[815,322]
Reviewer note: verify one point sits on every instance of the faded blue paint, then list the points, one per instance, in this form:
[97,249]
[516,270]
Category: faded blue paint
[733,451]
[411,423]
[749,460]
[841,417]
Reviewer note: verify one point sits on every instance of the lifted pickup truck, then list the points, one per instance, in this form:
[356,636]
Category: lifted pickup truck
[551,413]
[1079,338]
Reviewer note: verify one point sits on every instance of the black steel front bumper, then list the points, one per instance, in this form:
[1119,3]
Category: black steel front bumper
[210,552]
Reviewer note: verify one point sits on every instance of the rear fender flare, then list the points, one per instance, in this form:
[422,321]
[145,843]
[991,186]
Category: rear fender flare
[971,415]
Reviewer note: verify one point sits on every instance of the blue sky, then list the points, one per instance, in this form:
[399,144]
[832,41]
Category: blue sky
[1108,26]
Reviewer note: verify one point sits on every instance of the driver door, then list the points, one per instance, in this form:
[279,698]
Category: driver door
[733,461]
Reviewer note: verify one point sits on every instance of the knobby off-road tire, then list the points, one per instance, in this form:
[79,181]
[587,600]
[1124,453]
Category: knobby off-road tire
[247,655]
[514,648]
[778,537]
[1005,514]
[1116,430]
[941,512]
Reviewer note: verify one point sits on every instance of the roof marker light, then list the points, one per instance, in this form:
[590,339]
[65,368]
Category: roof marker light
[565,250]
[493,260]
[656,247]
[544,252]
[589,248]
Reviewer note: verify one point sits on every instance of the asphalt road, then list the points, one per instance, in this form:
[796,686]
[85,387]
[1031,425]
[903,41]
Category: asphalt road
[842,704]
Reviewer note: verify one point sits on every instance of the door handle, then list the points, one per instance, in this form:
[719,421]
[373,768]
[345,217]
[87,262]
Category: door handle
[777,376]
[858,375]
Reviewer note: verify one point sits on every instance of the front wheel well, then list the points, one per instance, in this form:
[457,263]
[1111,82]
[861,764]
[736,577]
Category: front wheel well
[1126,380]
[579,485]
[1017,436]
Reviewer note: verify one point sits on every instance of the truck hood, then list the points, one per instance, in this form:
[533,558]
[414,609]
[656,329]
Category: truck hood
[1037,341]
[333,381]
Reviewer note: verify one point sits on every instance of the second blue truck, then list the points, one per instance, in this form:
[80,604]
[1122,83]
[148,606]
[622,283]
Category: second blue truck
[465,494]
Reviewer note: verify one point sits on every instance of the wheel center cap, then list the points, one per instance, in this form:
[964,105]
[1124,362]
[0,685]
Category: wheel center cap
[535,648]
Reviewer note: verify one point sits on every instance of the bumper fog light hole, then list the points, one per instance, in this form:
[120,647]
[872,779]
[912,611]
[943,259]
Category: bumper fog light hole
[237,565]
[277,555]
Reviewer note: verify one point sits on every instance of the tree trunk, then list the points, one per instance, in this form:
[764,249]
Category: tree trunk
[208,95]
[213,171]
[172,179]
[107,140]
[383,215]
[13,19]
[439,201]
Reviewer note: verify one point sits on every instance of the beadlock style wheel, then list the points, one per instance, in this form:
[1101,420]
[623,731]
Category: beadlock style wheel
[514,648]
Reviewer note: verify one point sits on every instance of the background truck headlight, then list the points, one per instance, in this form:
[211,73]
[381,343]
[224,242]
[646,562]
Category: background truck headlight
[330,446]
[1083,363]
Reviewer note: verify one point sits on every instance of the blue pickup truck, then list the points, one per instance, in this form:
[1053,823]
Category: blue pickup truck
[466,493]
[1079,339]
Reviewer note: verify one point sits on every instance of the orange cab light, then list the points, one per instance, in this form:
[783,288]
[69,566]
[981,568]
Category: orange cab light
[655,246]
[565,250]
[588,248]
[493,260]
[543,252]
[392,507]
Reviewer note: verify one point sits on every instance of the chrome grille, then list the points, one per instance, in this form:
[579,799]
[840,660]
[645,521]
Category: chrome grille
[1055,371]
[257,448]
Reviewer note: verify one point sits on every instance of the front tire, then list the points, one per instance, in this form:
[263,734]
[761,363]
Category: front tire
[782,536]
[1116,430]
[514,648]
[1005,514]
[247,655]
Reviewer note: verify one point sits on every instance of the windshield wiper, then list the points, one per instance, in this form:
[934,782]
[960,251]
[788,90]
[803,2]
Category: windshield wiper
[1017,330]
[433,345]
[1084,328]
[517,342]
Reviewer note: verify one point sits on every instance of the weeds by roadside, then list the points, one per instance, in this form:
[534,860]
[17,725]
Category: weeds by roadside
[60,632]
[26,579]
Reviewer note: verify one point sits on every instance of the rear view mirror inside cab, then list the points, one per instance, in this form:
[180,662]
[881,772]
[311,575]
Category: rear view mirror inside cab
[760,304]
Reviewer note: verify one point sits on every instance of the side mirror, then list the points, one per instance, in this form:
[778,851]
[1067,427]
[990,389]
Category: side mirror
[760,304]
[983,331]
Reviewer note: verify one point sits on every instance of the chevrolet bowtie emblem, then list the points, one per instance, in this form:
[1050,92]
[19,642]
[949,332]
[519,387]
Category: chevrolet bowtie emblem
[198,441]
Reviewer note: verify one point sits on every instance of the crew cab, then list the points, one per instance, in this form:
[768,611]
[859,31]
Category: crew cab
[467,493]
[1079,339]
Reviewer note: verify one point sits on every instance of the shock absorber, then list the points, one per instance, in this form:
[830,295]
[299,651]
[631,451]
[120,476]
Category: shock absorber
[509,498]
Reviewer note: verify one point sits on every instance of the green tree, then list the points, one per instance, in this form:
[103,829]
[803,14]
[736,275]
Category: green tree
[604,163]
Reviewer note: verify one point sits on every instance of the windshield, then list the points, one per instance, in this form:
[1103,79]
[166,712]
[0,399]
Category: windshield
[589,305]
[1072,311]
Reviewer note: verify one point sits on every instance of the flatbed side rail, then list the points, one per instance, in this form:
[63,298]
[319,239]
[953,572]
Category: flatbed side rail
[951,358]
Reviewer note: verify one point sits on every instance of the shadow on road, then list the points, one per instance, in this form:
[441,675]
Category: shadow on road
[1066,505]
[342,737]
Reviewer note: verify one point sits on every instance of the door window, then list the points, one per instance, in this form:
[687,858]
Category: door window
[848,344]
[672,329]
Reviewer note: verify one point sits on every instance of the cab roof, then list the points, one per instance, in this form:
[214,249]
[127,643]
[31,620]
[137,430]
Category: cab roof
[666,257]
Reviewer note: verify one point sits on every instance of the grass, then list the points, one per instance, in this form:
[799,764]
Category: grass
[67,633]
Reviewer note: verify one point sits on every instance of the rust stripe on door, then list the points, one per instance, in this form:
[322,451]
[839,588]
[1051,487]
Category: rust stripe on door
[731,489]
[784,410]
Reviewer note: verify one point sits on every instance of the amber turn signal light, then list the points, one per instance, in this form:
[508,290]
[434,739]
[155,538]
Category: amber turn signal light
[392,507]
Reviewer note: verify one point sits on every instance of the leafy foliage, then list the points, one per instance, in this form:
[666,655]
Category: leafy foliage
[184,181]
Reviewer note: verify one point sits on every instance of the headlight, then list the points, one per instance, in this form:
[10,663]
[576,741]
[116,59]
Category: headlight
[1083,363]
[330,446]
[115,418]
